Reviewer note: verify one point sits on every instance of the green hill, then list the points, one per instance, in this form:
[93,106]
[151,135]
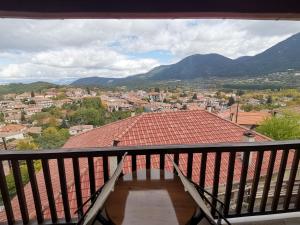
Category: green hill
[21,88]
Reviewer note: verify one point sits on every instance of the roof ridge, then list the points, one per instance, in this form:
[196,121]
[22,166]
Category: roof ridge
[172,112]
[137,118]
[240,126]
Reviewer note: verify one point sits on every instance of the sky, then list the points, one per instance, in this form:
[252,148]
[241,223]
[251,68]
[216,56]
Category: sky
[65,50]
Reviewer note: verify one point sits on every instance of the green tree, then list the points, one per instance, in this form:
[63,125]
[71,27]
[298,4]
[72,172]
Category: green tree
[32,94]
[240,92]
[89,116]
[88,90]
[285,127]
[269,100]
[94,102]
[53,138]
[195,97]
[2,119]
[54,111]
[64,124]
[23,119]
[231,101]
[156,89]
[26,144]
[247,107]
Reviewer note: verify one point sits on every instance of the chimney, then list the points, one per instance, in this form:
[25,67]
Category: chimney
[248,136]
[208,107]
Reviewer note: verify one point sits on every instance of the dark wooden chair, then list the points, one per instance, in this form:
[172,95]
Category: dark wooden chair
[95,210]
[204,215]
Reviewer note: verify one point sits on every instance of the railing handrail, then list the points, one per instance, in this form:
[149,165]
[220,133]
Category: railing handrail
[143,150]
[266,155]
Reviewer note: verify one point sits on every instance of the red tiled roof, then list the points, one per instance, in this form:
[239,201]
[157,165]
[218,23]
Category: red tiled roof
[177,127]
[245,118]
[252,118]
[12,128]
[180,127]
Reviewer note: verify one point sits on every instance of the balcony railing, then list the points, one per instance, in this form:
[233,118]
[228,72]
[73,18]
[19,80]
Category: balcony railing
[251,178]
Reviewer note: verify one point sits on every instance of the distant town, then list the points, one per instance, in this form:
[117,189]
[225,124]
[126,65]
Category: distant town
[47,118]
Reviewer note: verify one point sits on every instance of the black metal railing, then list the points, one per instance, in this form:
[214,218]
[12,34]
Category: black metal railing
[251,178]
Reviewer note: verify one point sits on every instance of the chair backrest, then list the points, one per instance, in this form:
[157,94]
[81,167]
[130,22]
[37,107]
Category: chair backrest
[102,197]
[190,187]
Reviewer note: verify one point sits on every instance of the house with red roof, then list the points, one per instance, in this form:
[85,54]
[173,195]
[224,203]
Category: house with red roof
[148,129]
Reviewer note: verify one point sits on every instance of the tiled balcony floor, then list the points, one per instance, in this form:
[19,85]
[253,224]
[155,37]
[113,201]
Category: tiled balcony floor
[291,221]
[294,220]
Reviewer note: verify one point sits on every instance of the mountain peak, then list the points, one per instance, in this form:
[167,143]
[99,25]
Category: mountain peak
[281,57]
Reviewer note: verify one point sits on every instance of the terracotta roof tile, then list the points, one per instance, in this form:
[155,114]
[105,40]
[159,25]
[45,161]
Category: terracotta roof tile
[252,118]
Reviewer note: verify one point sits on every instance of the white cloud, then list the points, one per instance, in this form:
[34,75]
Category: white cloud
[56,49]
[72,63]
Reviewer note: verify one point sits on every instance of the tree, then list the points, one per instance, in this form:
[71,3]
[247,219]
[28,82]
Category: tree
[26,144]
[53,138]
[89,116]
[88,90]
[54,111]
[231,101]
[94,102]
[269,99]
[2,119]
[285,127]
[247,107]
[195,97]
[23,119]
[32,94]
[156,89]
[240,92]
[219,94]
[64,124]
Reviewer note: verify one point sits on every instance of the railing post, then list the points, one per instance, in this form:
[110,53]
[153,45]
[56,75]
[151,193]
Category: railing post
[268,181]
[92,175]
[279,181]
[291,182]
[230,173]
[258,164]
[105,167]
[203,169]
[20,191]
[77,179]
[49,189]
[243,180]
[64,188]
[35,191]
[190,165]
[5,197]
[216,180]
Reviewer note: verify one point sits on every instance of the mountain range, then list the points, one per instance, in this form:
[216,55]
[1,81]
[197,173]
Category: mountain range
[281,57]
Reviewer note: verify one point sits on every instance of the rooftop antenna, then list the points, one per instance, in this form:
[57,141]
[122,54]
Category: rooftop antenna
[4,143]
[237,109]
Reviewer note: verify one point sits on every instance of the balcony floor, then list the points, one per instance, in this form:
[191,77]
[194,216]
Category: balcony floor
[290,221]
[268,220]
